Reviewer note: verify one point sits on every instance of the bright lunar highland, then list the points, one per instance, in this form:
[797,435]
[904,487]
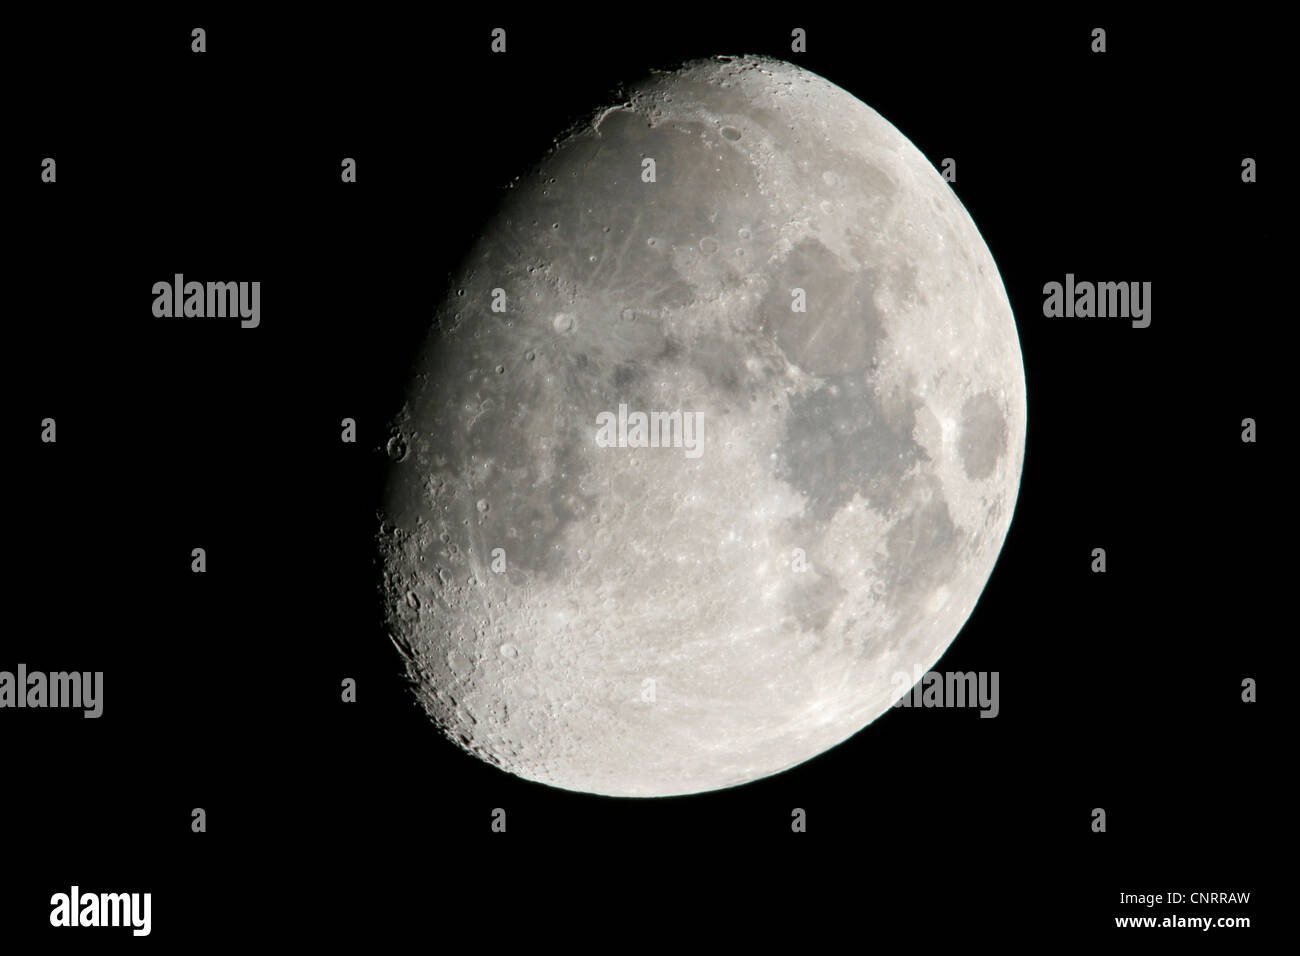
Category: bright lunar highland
[745,246]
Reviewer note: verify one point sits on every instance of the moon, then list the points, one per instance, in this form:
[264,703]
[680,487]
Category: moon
[742,246]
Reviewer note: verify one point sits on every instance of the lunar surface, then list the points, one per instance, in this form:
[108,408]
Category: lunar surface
[761,267]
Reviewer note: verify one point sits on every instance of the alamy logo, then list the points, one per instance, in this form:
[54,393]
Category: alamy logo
[102,909]
[74,689]
[1101,300]
[651,430]
[208,300]
[951,689]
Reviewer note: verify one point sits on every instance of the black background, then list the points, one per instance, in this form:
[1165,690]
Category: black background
[332,822]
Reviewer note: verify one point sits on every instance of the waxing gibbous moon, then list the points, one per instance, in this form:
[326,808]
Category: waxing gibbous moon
[789,272]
